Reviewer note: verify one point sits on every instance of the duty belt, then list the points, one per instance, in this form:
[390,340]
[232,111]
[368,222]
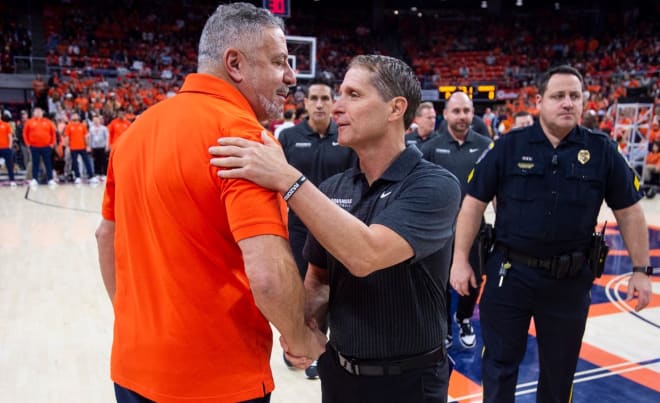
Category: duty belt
[559,267]
[394,367]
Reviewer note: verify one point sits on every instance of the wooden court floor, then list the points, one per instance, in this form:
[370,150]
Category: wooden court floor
[56,319]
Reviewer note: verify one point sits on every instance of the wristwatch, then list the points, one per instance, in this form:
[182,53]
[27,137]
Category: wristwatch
[648,270]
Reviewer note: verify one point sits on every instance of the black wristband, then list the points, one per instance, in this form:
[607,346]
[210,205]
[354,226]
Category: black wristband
[648,270]
[296,185]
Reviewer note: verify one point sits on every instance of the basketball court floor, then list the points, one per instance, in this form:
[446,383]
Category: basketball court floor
[56,319]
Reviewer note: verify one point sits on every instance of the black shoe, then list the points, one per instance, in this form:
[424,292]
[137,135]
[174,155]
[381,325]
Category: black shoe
[312,371]
[466,333]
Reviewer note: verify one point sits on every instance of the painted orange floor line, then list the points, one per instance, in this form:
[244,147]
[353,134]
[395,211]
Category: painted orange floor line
[602,358]
[623,252]
[461,385]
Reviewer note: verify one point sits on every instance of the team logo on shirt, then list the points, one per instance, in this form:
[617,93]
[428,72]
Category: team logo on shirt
[343,203]
[302,145]
[442,151]
[583,156]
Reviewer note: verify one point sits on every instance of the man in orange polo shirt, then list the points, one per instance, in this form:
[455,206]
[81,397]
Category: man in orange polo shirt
[117,127]
[76,133]
[197,266]
[6,144]
[39,135]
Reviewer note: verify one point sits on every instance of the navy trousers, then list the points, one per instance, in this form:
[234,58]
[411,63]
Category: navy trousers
[559,309]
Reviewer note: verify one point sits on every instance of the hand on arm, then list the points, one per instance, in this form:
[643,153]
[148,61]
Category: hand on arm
[362,249]
[461,274]
[279,294]
[105,240]
[634,232]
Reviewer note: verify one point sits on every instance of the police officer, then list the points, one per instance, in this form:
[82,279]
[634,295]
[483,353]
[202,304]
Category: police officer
[425,121]
[550,180]
[311,146]
[457,148]
[379,245]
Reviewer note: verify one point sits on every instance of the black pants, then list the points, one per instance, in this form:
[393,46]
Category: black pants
[428,385]
[559,309]
[466,304]
[100,161]
[124,395]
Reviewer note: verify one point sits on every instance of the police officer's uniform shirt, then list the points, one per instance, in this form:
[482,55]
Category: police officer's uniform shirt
[414,138]
[318,158]
[548,199]
[398,311]
[458,159]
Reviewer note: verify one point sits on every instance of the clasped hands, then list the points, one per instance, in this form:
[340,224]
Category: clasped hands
[308,350]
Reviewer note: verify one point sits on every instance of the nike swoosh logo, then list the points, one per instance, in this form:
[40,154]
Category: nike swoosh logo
[334,143]
[385,194]
[473,150]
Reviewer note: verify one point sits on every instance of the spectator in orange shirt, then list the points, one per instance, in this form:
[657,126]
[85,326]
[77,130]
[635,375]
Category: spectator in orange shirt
[76,135]
[6,146]
[196,266]
[117,127]
[39,135]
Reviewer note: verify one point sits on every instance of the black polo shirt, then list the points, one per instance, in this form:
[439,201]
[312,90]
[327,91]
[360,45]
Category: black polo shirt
[318,158]
[414,138]
[399,311]
[458,159]
[548,199]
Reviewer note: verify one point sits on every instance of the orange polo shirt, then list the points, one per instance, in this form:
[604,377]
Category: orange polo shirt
[186,325]
[39,132]
[5,134]
[76,133]
[116,128]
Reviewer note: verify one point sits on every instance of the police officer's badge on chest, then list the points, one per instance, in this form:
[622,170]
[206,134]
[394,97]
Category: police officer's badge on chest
[583,156]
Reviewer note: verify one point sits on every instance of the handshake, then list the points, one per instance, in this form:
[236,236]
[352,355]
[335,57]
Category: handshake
[308,346]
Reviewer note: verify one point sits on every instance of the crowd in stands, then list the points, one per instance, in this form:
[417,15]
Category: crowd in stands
[108,56]
[15,39]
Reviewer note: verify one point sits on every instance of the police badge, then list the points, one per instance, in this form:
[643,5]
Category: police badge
[583,156]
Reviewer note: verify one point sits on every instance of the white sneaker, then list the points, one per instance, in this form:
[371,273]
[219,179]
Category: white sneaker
[52,183]
[466,333]
[34,183]
[12,184]
[78,181]
[94,181]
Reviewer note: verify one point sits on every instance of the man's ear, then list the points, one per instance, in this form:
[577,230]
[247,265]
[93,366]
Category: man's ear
[234,61]
[398,105]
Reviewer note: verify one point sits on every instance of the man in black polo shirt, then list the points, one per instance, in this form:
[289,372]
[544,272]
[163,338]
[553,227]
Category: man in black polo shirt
[425,121]
[311,146]
[381,244]
[457,149]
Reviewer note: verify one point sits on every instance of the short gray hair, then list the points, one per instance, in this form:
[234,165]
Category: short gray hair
[392,78]
[232,25]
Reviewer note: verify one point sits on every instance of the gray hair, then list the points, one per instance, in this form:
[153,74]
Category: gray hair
[392,78]
[232,25]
